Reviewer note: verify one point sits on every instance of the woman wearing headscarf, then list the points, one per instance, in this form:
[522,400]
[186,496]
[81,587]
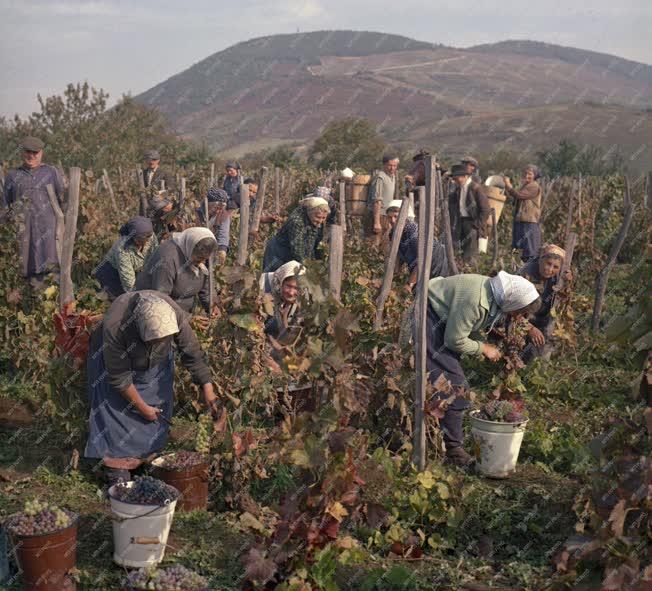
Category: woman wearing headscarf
[164,216]
[219,220]
[544,272]
[130,373]
[282,326]
[178,269]
[459,307]
[232,184]
[299,237]
[118,270]
[526,232]
[409,244]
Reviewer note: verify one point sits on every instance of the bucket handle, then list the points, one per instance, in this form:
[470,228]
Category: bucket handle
[146,541]
[157,508]
[205,475]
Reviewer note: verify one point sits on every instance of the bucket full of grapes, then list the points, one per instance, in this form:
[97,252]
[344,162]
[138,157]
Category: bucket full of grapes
[44,538]
[187,471]
[143,510]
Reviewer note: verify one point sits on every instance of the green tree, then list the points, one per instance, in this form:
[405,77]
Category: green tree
[350,142]
[569,159]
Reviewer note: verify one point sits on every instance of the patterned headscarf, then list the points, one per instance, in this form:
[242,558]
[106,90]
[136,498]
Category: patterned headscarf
[512,292]
[155,317]
[217,195]
[552,250]
[289,269]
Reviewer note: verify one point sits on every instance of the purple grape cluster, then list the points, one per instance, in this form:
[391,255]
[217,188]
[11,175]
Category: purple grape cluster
[39,518]
[172,578]
[145,490]
[501,410]
[182,460]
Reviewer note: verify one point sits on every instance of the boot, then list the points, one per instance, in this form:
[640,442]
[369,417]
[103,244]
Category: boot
[458,457]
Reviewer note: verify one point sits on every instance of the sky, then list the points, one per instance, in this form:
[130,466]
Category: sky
[128,47]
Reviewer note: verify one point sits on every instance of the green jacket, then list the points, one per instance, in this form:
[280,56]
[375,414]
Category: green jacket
[127,260]
[466,303]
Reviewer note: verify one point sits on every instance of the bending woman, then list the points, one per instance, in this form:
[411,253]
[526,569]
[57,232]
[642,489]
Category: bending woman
[460,306]
[129,253]
[178,268]
[282,328]
[543,271]
[219,220]
[130,379]
[299,237]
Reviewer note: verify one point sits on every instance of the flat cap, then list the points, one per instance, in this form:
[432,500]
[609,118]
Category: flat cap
[470,160]
[31,143]
[152,155]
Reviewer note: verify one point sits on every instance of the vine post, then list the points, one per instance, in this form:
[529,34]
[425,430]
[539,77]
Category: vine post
[66,292]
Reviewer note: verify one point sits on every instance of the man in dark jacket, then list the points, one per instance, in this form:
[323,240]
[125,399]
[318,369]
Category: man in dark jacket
[155,178]
[27,186]
[468,208]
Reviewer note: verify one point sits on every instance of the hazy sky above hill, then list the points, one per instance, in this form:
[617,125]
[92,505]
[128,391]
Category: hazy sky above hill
[128,47]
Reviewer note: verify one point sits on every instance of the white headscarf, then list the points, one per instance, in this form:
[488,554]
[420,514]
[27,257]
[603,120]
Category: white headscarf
[155,317]
[512,292]
[276,278]
[312,202]
[394,203]
[188,239]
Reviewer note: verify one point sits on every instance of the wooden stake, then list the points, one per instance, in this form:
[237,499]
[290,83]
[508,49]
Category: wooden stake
[260,202]
[494,229]
[335,261]
[448,236]
[141,179]
[243,240]
[182,194]
[342,203]
[59,224]
[426,236]
[648,195]
[212,174]
[569,217]
[277,190]
[211,279]
[109,188]
[603,276]
[569,249]
[66,293]
[390,264]
[549,187]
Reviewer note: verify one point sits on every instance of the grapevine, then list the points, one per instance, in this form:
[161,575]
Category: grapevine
[39,518]
[172,578]
[145,490]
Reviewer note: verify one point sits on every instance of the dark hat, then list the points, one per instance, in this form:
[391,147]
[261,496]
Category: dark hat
[420,155]
[31,143]
[158,203]
[469,160]
[232,164]
[216,195]
[152,155]
[389,157]
[249,181]
[458,170]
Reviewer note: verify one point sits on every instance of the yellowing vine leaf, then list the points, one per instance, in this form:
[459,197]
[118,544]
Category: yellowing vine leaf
[337,511]
[426,479]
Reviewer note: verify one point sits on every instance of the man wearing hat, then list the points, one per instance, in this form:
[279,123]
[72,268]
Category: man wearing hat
[472,167]
[156,179]
[468,209]
[28,185]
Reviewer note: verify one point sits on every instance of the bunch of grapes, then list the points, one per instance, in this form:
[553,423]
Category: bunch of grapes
[145,490]
[501,410]
[39,518]
[172,578]
[182,460]
[204,432]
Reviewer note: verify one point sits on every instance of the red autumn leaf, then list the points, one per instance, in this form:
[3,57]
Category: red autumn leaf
[14,296]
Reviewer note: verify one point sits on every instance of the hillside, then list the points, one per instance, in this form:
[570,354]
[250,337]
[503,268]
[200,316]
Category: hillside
[527,95]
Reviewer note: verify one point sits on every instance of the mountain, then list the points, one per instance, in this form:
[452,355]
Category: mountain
[521,95]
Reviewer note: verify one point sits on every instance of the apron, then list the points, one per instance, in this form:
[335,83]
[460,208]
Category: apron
[116,430]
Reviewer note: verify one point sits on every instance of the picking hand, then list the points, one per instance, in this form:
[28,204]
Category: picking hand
[491,352]
[508,182]
[377,228]
[200,322]
[536,336]
[150,413]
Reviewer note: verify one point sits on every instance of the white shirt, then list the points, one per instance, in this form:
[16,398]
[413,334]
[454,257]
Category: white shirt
[463,191]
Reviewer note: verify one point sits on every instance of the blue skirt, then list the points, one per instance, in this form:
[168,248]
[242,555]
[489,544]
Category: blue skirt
[527,236]
[116,429]
[109,278]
